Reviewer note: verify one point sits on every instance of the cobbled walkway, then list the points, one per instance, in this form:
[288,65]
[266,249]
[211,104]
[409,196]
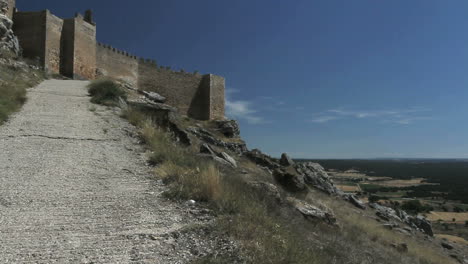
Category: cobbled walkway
[74,186]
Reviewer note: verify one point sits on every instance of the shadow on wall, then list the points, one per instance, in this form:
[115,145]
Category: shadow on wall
[200,105]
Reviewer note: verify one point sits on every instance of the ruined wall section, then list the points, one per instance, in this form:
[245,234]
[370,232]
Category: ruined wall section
[179,88]
[217,97]
[30,28]
[54,27]
[194,95]
[67,43]
[85,50]
[117,64]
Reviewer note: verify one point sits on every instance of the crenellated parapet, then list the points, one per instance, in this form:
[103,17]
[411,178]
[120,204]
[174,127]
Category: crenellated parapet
[69,47]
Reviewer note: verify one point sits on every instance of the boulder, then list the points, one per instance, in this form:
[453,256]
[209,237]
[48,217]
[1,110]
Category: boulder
[229,128]
[355,201]
[261,159]
[315,175]
[446,245]
[209,138]
[385,213]
[290,179]
[286,160]
[266,188]
[8,41]
[206,149]
[229,159]
[312,212]
[155,97]
[422,223]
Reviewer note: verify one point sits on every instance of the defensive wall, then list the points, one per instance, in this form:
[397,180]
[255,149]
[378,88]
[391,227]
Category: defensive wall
[193,94]
[69,47]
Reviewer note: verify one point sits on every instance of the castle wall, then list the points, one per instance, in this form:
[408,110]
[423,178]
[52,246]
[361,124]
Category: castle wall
[179,88]
[67,43]
[217,97]
[79,49]
[30,28]
[54,27]
[116,64]
[85,50]
[200,97]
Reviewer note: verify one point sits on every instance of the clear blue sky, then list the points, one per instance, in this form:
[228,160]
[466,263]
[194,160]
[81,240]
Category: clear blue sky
[316,79]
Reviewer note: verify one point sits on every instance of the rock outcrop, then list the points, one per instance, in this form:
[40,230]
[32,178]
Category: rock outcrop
[312,212]
[416,222]
[8,41]
[315,175]
[209,138]
[286,160]
[290,179]
[229,128]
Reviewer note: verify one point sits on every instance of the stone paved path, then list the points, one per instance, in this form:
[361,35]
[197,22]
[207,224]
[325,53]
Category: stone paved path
[74,187]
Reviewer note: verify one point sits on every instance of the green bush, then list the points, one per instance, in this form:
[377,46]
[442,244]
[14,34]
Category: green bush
[106,92]
[415,207]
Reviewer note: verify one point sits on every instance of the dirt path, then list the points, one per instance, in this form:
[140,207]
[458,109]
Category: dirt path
[74,187]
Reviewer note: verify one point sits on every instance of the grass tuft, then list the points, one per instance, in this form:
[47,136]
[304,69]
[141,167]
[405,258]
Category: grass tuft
[13,85]
[106,92]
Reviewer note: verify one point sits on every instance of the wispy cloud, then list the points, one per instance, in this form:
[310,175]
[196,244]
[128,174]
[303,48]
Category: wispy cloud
[398,116]
[242,109]
[323,119]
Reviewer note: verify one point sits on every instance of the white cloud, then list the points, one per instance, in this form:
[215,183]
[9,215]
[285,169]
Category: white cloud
[398,116]
[243,110]
[323,119]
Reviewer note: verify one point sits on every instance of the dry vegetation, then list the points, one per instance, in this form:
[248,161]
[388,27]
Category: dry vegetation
[13,85]
[268,231]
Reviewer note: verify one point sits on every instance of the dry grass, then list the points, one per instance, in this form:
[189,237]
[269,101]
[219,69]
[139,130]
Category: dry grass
[13,89]
[269,232]
[360,229]
[460,218]
[456,239]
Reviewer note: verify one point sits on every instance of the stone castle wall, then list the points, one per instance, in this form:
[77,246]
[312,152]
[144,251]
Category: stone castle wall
[69,47]
[30,28]
[54,27]
[84,66]
[116,64]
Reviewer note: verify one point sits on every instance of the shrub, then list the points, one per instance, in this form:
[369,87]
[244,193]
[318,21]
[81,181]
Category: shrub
[106,92]
[415,207]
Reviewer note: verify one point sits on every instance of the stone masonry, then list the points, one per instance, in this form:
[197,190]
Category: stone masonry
[69,47]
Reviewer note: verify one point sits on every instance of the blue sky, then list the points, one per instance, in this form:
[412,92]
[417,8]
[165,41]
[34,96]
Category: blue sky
[316,79]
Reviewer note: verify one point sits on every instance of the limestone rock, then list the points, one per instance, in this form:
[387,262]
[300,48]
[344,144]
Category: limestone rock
[206,149]
[209,138]
[266,188]
[261,159]
[422,223]
[229,159]
[155,97]
[312,212]
[286,160]
[355,201]
[229,128]
[8,41]
[290,179]
[315,175]
[446,245]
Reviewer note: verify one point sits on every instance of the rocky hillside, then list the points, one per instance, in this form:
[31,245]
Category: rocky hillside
[328,226]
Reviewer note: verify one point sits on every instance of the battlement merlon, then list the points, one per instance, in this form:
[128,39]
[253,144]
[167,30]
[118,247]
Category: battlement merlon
[69,47]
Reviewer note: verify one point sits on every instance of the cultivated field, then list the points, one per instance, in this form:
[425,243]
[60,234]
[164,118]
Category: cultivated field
[455,239]
[460,218]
